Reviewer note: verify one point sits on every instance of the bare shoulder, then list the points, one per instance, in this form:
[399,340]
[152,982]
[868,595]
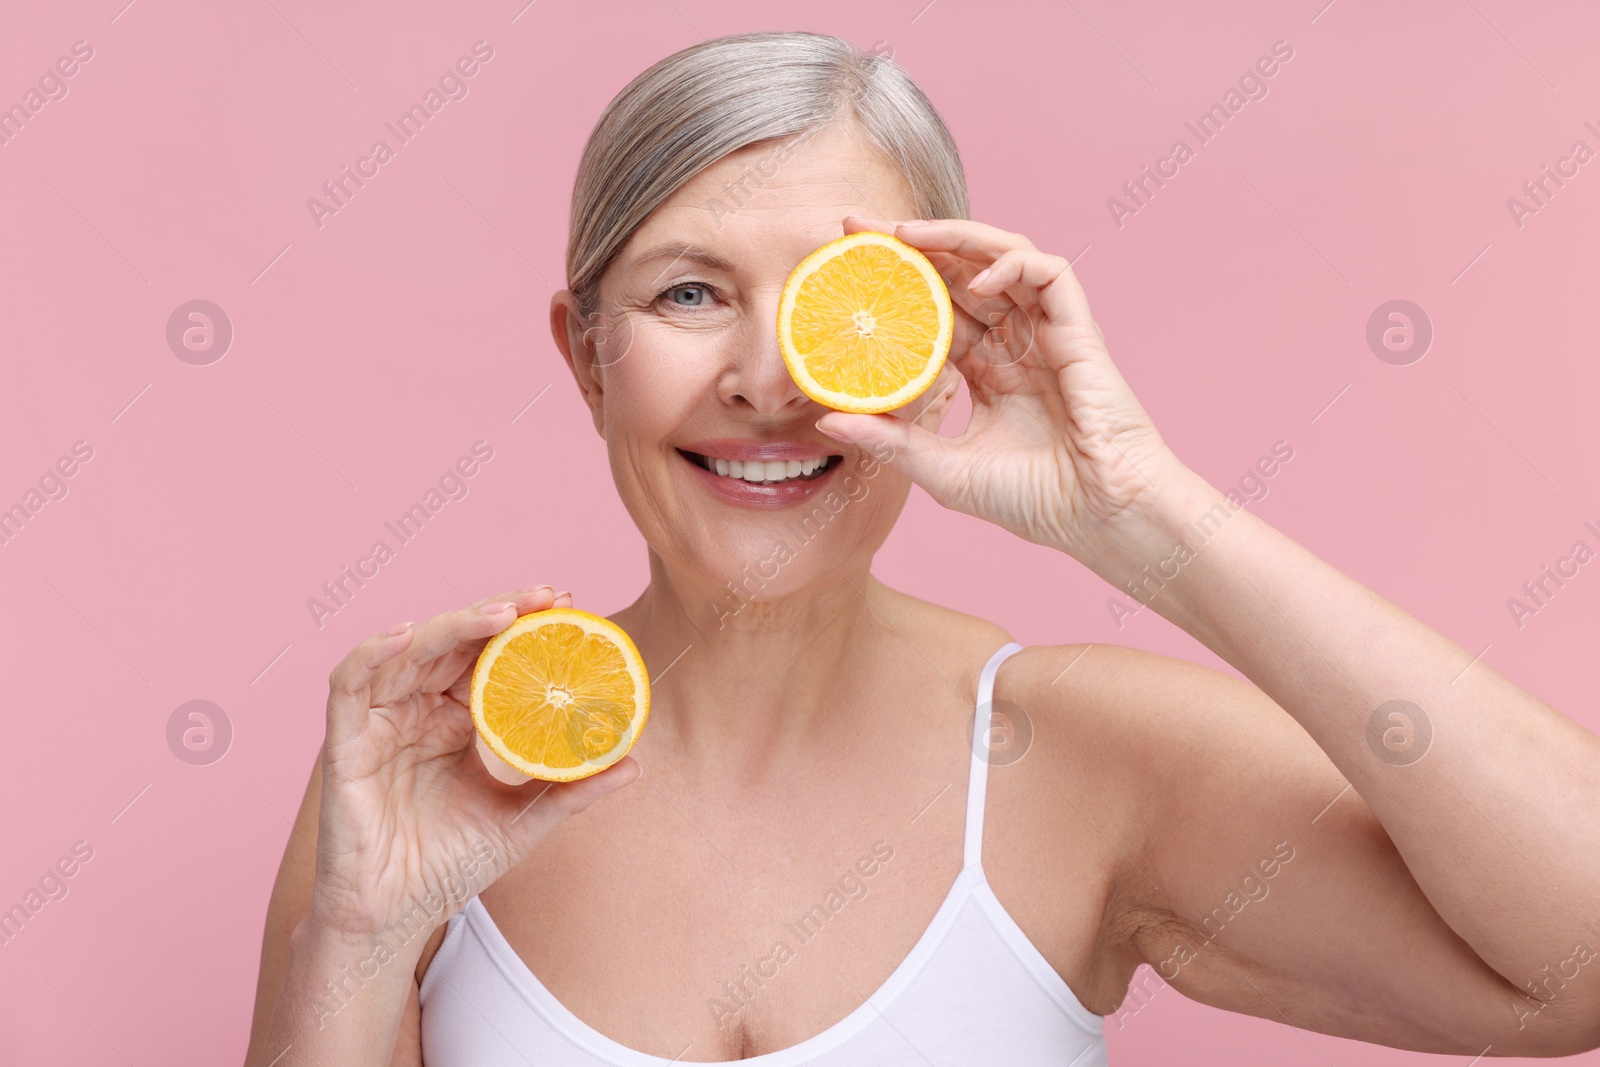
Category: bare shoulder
[1147,713]
[1164,734]
[1077,678]
[1102,716]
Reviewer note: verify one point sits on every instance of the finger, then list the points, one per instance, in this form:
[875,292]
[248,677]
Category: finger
[921,453]
[451,630]
[981,322]
[573,797]
[981,313]
[994,328]
[968,337]
[976,242]
[351,678]
[452,673]
[530,811]
[449,644]
[956,273]
[958,248]
[859,223]
[1048,278]
[521,597]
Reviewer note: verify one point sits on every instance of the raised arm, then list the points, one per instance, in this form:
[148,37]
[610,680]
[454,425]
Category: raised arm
[1249,887]
[1487,800]
[1460,791]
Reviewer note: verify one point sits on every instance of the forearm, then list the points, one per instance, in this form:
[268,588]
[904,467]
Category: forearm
[341,1002]
[1495,801]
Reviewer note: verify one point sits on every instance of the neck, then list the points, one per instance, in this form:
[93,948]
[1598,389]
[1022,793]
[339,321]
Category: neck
[739,682]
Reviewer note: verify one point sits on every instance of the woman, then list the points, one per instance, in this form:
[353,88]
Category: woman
[822,863]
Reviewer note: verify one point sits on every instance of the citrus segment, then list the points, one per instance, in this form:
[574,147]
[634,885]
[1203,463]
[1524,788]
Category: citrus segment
[865,323]
[558,695]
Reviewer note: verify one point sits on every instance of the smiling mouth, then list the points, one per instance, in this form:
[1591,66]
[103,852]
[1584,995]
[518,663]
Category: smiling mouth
[764,472]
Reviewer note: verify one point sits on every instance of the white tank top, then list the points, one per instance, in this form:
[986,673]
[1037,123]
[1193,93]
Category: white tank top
[974,989]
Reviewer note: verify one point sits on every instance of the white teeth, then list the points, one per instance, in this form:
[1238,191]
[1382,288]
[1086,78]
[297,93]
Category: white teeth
[758,472]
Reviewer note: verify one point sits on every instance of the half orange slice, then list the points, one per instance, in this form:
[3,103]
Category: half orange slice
[558,695]
[865,323]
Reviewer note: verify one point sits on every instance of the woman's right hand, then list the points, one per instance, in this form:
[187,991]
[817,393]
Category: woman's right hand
[410,817]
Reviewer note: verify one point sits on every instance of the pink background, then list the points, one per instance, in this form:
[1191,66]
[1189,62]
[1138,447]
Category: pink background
[371,353]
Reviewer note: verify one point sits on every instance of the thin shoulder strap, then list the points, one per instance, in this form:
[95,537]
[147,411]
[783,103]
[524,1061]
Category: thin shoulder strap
[979,776]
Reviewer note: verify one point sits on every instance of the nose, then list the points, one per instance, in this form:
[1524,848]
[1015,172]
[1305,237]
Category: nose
[755,375]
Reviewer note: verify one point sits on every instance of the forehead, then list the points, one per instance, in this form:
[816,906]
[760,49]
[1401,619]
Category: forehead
[771,204]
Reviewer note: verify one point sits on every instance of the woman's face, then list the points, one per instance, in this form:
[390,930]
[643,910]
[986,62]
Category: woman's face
[684,377]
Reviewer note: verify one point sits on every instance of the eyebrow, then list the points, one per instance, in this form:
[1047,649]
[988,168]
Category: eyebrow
[679,250]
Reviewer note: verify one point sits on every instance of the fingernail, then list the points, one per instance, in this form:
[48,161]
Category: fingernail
[541,589]
[497,607]
[567,593]
[979,277]
[823,429]
[396,631]
[915,222]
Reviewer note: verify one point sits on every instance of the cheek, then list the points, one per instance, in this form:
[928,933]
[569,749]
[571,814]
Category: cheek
[648,391]
[660,371]
[651,396]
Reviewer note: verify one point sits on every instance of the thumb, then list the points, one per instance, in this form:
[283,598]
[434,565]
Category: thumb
[537,807]
[573,797]
[926,457]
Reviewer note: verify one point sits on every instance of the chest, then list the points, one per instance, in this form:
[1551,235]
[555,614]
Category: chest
[711,934]
[681,928]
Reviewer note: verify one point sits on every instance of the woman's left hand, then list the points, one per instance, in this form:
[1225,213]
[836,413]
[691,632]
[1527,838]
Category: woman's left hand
[1058,450]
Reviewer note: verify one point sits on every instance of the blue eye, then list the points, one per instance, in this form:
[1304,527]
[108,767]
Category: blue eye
[698,287]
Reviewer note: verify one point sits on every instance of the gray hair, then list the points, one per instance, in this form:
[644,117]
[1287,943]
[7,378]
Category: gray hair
[697,105]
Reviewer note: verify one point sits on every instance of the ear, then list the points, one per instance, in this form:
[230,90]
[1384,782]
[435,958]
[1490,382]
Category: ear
[579,343]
